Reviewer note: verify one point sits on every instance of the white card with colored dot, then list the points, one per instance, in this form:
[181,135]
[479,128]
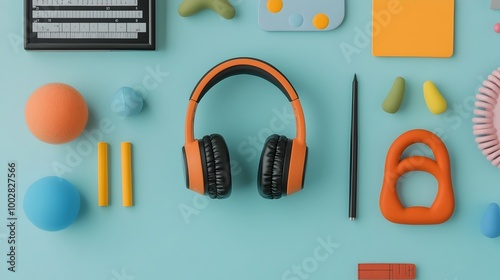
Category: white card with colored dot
[301,15]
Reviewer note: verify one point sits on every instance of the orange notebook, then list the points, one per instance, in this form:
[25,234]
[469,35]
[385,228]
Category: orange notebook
[413,28]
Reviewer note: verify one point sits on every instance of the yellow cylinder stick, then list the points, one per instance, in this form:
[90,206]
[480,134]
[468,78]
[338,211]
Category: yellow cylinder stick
[102,174]
[126,148]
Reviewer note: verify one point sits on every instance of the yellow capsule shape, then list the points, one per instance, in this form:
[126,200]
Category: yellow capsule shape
[433,98]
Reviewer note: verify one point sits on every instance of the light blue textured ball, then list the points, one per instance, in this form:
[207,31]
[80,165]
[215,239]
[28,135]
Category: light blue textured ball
[127,102]
[52,203]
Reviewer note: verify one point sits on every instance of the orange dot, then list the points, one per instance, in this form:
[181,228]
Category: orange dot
[56,113]
[274,6]
[321,21]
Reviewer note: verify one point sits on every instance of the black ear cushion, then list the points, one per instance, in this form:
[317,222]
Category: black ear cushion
[216,166]
[272,167]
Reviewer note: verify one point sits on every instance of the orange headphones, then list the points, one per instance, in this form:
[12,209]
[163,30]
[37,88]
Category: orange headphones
[283,161]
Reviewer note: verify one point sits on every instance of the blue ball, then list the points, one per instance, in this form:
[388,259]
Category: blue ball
[52,203]
[127,102]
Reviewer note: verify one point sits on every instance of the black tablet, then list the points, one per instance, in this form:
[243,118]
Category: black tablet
[89,24]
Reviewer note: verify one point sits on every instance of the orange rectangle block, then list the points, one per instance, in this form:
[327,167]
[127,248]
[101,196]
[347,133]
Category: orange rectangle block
[387,271]
[413,28]
[102,174]
[126,148]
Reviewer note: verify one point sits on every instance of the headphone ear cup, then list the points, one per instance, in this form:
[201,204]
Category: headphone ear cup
[273,169]
[216,166]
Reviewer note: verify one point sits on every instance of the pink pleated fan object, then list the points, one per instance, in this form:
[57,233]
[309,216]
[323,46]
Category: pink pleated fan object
[487,118]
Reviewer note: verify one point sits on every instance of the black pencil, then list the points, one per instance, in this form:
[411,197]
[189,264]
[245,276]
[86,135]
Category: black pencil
[353,173]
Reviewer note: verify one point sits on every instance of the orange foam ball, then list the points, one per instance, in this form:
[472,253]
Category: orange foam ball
[56,113]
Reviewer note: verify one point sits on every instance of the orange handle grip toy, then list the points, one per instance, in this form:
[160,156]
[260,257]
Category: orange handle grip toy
[443,206]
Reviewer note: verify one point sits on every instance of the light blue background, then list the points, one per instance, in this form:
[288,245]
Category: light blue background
[247,237]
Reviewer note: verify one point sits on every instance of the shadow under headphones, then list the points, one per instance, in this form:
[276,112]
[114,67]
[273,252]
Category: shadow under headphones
[283,161]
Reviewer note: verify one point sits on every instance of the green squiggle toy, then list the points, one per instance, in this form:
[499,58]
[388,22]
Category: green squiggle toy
[222,7]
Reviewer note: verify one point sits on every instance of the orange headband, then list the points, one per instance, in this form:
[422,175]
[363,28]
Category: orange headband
[250,66]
